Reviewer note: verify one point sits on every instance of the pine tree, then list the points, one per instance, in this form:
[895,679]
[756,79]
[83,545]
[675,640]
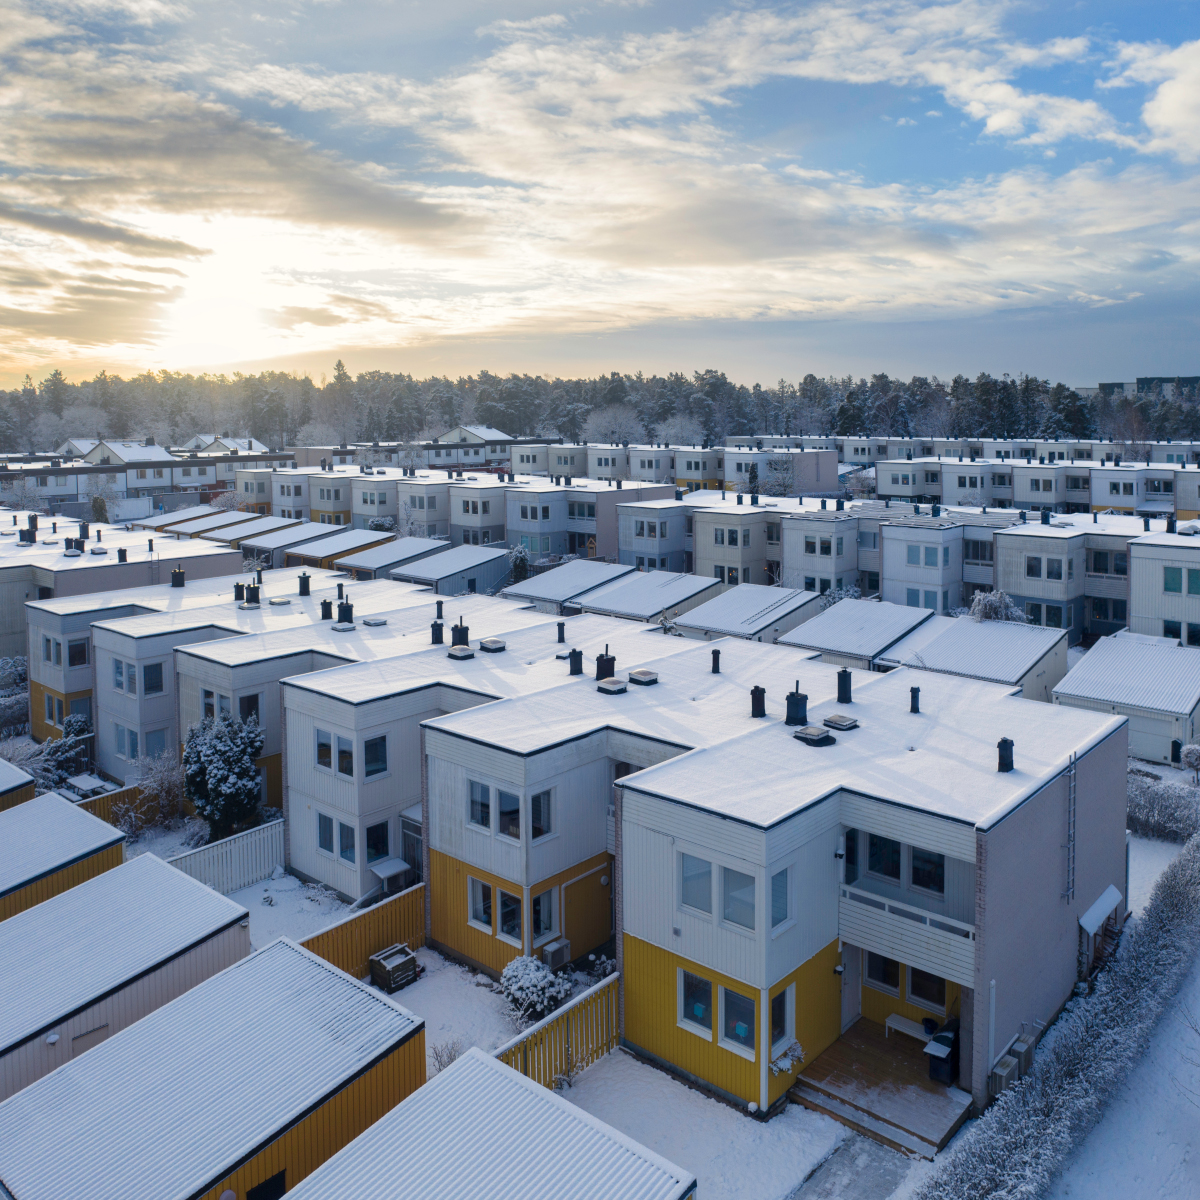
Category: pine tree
[221,775]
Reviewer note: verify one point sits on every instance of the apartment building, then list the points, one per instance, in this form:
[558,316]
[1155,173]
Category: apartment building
[818,551]
[796,471]
[1164,585]
[478,508]
[752,611]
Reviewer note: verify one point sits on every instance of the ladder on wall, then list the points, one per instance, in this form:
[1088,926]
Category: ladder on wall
[1069,890]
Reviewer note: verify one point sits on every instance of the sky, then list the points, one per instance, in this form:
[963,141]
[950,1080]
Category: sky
[841,186]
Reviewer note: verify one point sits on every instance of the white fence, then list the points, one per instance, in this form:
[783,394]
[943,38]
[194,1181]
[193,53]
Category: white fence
[235,862]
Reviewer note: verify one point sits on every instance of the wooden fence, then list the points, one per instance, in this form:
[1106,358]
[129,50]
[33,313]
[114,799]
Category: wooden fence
[569,1039]
[103,806]
[350,943]
[235,862]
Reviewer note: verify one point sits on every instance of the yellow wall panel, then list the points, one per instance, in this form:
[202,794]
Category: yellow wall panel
[586,920]
[879,1005]
[16,796]
[448,905]
[61,881]
[350,944]
[818,1012]
[272,765]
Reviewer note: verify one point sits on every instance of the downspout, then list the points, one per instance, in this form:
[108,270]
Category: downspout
[425,854]
[618,884]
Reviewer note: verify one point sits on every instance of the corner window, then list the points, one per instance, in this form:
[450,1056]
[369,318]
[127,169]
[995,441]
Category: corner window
[696,891]
[77,654]
[539,814]
[345,748]
[883,856]
[325,833]
[695,1002]
[737,1020]
[883,973]
[209,704]
[481,903]
[481,805]
[119,675]
[914,556]
[248,708]
[152,679]
[324,749]
[927,990]
[509,807]
[738,892]
[931,556]
[929,871]
[719,537]
[541,914]
[783,1019]
[779,898]
[346,841]
[1054,568]
[377,842]
[1033,567]
[510,916]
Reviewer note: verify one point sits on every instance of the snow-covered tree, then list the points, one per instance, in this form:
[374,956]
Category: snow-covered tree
[230,500]
[1191,760]
[22,496]
[835,595]
[777,475]
[160,780]
[532,989]
[995,606]
[518,558]
[614,423]
[220,774]
[383,524]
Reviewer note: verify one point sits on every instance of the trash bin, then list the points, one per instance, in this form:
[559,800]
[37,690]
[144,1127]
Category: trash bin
[942,1049]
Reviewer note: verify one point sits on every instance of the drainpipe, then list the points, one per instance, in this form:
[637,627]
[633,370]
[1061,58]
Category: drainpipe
[618,874]
[764,1034]
[425,855]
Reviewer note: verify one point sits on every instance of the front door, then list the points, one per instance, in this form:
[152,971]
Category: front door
[851,985]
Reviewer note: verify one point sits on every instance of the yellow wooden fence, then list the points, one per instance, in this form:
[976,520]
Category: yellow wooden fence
[350,943]
[103,806]
[569,1039]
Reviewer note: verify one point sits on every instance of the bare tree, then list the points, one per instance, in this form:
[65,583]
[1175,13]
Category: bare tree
[21,495]
[614,424]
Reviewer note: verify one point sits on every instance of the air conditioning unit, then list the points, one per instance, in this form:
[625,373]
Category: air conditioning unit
[556,954]
[1022,1051]
[1004,1074]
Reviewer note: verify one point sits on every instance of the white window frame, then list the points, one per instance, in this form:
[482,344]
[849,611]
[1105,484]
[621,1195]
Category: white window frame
[736,1047]
[789,1021]
[542,939]
[684,1024]
[679,901]
[915,1001]
[790,867]
[490,930]
[518,895]
[751,931]
[332,852]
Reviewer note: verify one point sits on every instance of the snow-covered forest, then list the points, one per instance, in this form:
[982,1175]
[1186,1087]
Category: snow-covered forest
[280,408]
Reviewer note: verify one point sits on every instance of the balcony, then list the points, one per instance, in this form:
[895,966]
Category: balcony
[937,944]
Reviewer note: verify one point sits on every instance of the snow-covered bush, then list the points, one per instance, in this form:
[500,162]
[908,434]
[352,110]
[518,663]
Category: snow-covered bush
[1017,1147]
[160,780]
[1191,759]
[1161,808]
[830,598]
[382,524]
[995,606]
[518,558]
[444,1053]
[532,989]
[229,500]
[787,1060]
[220,775]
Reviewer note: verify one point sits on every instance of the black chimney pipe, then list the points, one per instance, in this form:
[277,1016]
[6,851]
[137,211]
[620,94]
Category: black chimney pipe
[843,678]
[576,660]
[439,610]
[716,667]
[177,576]
[326,610]
[345,613]
[341,594]
[797,707]
[150,547]
[606,665]
[252,593]
[436,632]
[458,634]
[562,631]
[1170,524]
[122,555]
[239,591]
[1005,746]
[914,703]
[260,575]
[305,582]
[758,701]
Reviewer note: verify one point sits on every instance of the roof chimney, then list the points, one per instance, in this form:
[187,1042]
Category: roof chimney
[606,666]
[843,678]
[122,555]
[252,595]
[345,613]
[562,631]
[758,701]
[716,667]
[1146,524]
[1005,746]
[439,610]
[575,658]
[176,576]
[305,583]
[797,707]
[1045,516]
[436,633]
[914,700]
[1171,524]
[458,634]
[341,593]
[739,499]
[326,610]
[239,592]
[150,545]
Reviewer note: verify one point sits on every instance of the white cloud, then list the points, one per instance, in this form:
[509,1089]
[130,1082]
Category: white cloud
[905,121]
[1172,112]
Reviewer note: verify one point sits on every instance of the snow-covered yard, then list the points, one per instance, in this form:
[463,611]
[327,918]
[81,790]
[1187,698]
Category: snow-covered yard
[1148,859]
[286,907]
[168,842]
[734,1157]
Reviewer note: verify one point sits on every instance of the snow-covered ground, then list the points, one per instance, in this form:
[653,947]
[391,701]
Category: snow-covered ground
[166,843]
[286,907]
[734,1157]
[1148,859]
[1074,654]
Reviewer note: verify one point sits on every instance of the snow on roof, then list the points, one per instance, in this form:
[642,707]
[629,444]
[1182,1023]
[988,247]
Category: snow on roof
[571,580]
[861,627]
[421,1143]
[12,777]
[452,562]
[1099,912]
[177,517]
[392,554]
[342,543]
[1129,673]
[484,432]
[44,835]
[645,594]
[250,528]
[217,520]
[168,1106]
[1002,651]
[67,952]
[131,452]
[281,539]
[746,610]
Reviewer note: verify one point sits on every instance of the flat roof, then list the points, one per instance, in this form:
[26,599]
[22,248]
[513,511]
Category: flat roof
[645,594]
[69,951]
[49,552]
[202,1082]
[44,835]
[342,543]
[217,520]
[571,580]
[1131,673]
[391,554]
[745,610]
[860,627]
[1002,651]
[452,562]
[510,1123]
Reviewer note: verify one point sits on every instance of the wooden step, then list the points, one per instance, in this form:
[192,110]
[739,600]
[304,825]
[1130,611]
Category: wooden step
[877,1128]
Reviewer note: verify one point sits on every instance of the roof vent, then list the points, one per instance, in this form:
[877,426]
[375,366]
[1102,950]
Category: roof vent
[342,626]
[73,553]
[104,550]
[326,610]
[1045,516]
[739,499]
[843,678]
[305,581]
[370,622]
[345,612]
[439,609]
[491,645]
[841,722]
[279,601]
[239,591]
[252,593]
[611,687]
[576,660]
[814,735]
[562,631]
[1005,746]
[436,632]
[177,575]
[797,707]
[460,653]
[643,677]
[458,634]
[758,701]
[606,665]
[716,667]
[914,700]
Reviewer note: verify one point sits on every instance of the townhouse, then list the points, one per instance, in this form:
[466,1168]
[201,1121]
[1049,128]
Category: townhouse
[780,471]
[752,611]
[478,509]
[566,588]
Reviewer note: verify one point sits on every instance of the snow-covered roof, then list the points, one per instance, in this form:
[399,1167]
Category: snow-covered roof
[645,594]
[1002,651]
[67,952]
[135,452]
[216,520]
[345,542]
[251,528]
[568,582]
[452,562]
[392,554]
[12,777]
[860,627]
[44,835]
[746,610]
[1099,912]
[175,517]
[485,433]
[1127,673]
[527,1143]
[294,535]
[168,1106]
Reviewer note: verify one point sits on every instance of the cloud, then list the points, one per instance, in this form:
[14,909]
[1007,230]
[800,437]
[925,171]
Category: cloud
[101,232]
[905,121]
[1172,112]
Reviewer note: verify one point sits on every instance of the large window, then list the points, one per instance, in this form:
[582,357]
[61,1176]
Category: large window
[737,1019]
[1172,579]
[156,742]
[929,870]
[1033,567]
[779,897]
[539,814]
[697,883]
[152,679]
[248,708]
[377,842]
[325,833]
[738,892]
[481,805]
[481,903]
[696,1001]
[346,841]
[883,973]
[324,749]
[375,755]
[928,990]
[510,916]
[345,757]
[77,653]
[509,814]
[883,857]
[541,913]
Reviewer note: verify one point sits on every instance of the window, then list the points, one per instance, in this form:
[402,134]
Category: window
[481,805]
[1171,629]
[839,546]
[541,914]
[695,1008]
[377,842]
[1193,578]
[914,598]
[696,886]
[738,891]
[931,600]
[810,583]
[208,701]
[510,916]
[926,989]
[223,704]
[77,653]
[1172,579]
[1100,562]
[737,1019]
[1114,489]
[810,545]
[931,556]
[50,710]
[481,903]
[345,761]
[47,653]
[325,833]
[539,814]
[545,512]
[1033,567]
[826,548]
[733,537]
[1127,489]
[883,973]
[1034,486]
[914,556]
[1054,568]
[883,856]
[346,841]
[929,871]
[1033,613]
[851,861]
[731,575]
[1099,608]
[324,749]
[1054,616]
[375,755]
[1193,634]
[783,1019]
[119,675]
[779,898]
[719,537]
[509,807]
[152,679]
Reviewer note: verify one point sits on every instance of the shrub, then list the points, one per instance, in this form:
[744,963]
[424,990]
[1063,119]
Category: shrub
[995,606]
[532,989]
[382,524]
[220,774]
[444,1053]
[1161,808]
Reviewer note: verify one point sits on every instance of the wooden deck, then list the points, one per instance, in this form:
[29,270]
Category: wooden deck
[880,1086]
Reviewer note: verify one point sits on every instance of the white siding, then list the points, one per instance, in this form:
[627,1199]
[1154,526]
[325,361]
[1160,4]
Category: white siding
[235,862]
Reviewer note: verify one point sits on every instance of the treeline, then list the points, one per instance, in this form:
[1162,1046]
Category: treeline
[280,408]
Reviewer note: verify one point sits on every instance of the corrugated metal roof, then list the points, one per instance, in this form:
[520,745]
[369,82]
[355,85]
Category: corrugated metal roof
[1001,651]
[46,833]
[191,513]
[77,946]
[1132,674]
[164,1108]
[746,610]
[12,777]
[441,566]
[280,539]
[645,594]
[217,520]
[861,627]
[571,580]
[341,543]
[251,528]
[391,554]
[481,1129]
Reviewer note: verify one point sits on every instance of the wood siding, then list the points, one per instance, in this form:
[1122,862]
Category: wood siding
[449,906]
[235,862]
[60,881]
[878,1005]
[818,1012]
[350,943]
[17,796]
[317,1137]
